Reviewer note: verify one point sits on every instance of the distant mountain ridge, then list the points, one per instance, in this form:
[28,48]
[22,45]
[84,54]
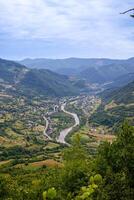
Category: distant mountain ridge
[96,70]
[69,63]
[22,80]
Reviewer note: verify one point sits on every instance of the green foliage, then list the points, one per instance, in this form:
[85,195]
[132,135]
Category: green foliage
[76,167]
[115,162]
[108,176]
[50,194]
[96,179]
[88,192]
[3,187]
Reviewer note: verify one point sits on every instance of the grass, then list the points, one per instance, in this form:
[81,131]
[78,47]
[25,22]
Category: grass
[100,137]
[5,162]
[51,145]
[48,163]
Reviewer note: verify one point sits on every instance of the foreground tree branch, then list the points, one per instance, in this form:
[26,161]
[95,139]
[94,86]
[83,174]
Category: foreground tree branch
[127,11]
[132,9]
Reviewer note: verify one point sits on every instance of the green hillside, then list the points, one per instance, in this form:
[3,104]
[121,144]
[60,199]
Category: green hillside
[18,79]
[115,108]
[76,176]
[124,95]
[45,82]
[10,71]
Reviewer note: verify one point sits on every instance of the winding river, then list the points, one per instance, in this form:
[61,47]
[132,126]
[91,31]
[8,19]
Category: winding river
[64,133]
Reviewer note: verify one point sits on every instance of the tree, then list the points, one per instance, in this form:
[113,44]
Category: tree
[50,194]
[87,193]
[115,163]
[76,168]
[3,187]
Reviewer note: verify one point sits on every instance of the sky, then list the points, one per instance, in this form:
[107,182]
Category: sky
[66,28]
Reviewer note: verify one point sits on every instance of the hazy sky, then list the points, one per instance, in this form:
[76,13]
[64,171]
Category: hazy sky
[66,28]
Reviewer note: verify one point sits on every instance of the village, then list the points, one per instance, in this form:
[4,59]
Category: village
[35,120]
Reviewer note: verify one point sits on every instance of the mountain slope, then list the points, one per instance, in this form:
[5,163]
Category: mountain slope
[124,95]
[110,72]
[46,82]
[92,75]
[115,108]
[122,81]
[92,70]
[10,71]
[32,81]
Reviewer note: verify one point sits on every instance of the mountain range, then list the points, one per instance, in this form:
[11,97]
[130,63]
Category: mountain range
[95,70]
[16,78]
[33,76]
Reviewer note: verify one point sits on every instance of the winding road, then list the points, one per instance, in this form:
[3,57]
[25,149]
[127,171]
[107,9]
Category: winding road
[65,132]
[46,127]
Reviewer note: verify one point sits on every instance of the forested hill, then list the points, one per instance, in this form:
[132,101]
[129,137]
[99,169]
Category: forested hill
[18,78]
[10,71]
[124,95]
[93,70]
[116,106]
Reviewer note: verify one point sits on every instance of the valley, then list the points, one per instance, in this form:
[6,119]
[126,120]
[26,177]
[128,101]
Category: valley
[66,100]
[42,127]
[35,110]
[43,115]
[30,120]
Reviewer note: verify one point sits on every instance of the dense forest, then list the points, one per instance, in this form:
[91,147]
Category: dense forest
[109,175]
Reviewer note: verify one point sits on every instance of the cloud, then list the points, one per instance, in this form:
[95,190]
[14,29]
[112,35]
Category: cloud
[86,22]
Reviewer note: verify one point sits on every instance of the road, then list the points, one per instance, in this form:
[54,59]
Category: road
[46,127]
[65,132]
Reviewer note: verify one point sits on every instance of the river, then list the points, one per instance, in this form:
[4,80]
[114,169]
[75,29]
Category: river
[65,132]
